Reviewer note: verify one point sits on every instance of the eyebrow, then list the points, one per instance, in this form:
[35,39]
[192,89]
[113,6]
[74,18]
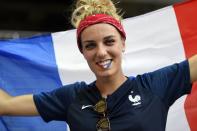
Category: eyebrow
[105,38]
[108,37]
[88,41]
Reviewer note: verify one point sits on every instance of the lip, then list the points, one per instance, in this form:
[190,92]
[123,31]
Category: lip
[104,63]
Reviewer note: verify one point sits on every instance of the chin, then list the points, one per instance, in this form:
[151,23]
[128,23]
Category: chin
[104,74]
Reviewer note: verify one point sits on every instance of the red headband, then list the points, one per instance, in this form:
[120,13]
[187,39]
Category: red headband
[95,19]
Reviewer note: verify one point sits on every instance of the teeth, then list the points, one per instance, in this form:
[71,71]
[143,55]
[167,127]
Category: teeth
[105,64]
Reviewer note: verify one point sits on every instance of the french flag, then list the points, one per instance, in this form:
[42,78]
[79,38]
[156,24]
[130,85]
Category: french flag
[46,62]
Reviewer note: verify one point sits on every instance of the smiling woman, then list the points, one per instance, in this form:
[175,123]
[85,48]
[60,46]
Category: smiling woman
[102,47]
[101,39]
[113,101]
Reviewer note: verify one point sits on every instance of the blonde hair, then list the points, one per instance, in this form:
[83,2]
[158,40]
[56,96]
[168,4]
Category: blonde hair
[85,8]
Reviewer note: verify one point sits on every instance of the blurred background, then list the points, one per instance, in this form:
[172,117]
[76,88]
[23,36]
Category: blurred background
[24,18]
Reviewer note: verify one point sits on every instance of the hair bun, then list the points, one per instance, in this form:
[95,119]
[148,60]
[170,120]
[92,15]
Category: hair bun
[85,8]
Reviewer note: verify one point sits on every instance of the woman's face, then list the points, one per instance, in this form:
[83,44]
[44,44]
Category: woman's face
[102,47]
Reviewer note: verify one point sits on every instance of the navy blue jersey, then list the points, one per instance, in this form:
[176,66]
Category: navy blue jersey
[141,103]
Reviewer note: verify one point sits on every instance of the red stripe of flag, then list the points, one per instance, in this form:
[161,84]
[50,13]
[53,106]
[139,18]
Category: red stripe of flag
[186,14]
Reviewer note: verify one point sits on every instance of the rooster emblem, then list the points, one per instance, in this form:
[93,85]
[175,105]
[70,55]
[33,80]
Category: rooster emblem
[136,100]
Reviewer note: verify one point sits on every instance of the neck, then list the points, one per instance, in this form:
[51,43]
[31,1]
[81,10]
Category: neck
[108,85]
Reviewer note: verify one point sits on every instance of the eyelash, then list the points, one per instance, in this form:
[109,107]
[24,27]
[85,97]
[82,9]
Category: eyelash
[92,45]
[111,41]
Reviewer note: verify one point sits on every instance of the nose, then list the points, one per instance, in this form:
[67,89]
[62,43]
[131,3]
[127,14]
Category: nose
[101,51]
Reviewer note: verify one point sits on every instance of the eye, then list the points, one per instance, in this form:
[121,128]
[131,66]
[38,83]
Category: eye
[109,42]
[90,46]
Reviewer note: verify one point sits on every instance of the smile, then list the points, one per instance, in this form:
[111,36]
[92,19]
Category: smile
[106,64]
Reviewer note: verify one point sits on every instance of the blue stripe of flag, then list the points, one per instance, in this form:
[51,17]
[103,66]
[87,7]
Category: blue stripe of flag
[28,65]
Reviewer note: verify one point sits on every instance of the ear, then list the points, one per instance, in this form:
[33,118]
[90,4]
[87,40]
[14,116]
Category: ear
[123,44]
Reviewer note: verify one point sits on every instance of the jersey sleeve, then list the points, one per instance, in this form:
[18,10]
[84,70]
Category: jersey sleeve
[54,105]
[169,83]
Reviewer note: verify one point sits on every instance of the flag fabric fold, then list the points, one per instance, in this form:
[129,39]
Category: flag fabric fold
[28,66]
[187,20]
[46,62]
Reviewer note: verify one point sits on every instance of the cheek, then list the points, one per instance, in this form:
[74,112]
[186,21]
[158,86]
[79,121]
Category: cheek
[87,56]
[117,54]
[118,51]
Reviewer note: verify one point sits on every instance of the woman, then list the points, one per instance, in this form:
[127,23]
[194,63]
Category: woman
[113,101]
